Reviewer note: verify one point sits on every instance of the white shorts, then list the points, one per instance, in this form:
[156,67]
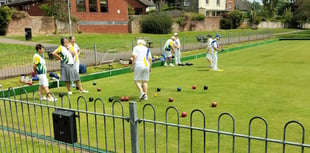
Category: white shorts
[141,73]
[168,53]
[43,81]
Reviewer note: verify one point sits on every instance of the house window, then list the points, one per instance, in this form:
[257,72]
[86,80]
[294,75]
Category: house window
[93,6]
[218,2]
[229,5]
[207,1]
[138,11]
[104,5]
[187,3]
[80,5]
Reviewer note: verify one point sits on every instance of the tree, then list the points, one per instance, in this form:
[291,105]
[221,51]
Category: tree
[302,13]
[236,18]
[287,15]
[5,17]
[269,8]
[56,8]
[254,14]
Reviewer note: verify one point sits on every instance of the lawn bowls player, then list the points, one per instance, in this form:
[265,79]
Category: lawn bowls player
[39,69]
[214,51]
[74,46]
[67,72]
[177,52]
[209,48]
[141,65]
[169,50]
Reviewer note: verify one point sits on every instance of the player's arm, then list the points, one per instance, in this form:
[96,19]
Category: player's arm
[134,59]
[36,60]
[34,67]
[71,50]
[78,52]
[55,53]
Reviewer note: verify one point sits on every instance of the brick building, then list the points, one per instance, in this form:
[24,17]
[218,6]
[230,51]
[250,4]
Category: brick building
[95,16]
[101,16]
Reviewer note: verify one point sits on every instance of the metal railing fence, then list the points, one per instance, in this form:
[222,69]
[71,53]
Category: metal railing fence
[26,126]
[17,61]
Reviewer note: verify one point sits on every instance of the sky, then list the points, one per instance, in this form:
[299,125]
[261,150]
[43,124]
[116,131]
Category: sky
[260,1]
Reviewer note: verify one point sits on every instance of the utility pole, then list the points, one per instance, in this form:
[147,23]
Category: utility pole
[69,15]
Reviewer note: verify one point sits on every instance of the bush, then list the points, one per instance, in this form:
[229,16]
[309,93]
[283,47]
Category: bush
[18,14]
[5,18]
[131,11]
[180,21]
[195,16]
[236,18]
[225,23]
[198,17]
[157,24]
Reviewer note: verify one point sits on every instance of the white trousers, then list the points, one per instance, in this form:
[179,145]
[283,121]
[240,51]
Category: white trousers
[177,56]
[214,60]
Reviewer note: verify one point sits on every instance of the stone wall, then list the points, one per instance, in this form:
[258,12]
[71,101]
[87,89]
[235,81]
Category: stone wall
[40,25]
[272,25]
[306,25]
[209,24]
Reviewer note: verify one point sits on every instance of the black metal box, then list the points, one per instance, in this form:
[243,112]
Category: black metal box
[64,126]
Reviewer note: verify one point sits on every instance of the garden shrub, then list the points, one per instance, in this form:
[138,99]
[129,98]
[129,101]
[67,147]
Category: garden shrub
[157,24]
[5,17]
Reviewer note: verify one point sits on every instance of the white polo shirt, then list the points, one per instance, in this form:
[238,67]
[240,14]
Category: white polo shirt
[65,54]
[142,55]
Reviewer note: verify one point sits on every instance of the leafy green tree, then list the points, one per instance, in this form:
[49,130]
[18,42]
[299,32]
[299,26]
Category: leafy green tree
[5,18]
[269,8]
[287,15]
[254,14]
[236,18]
[302,13]
[56,8]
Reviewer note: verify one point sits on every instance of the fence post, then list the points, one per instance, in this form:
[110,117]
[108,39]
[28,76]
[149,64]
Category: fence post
[183,43]
[248,36]
[133,127]
[161,45]
[95,49]
[228,37]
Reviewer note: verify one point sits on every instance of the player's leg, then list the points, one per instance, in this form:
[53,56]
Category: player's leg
[176,57]
[214,60]
[179,57]
[138,75]
[68,87]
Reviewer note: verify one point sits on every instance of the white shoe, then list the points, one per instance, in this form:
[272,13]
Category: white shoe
[43,98]
[145,97]
[141,96]
[69,92]
[165,64]
[171,64]
[83,91]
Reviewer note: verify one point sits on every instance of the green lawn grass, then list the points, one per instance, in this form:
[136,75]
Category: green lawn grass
[8,54]
[270,81]
[297,35]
